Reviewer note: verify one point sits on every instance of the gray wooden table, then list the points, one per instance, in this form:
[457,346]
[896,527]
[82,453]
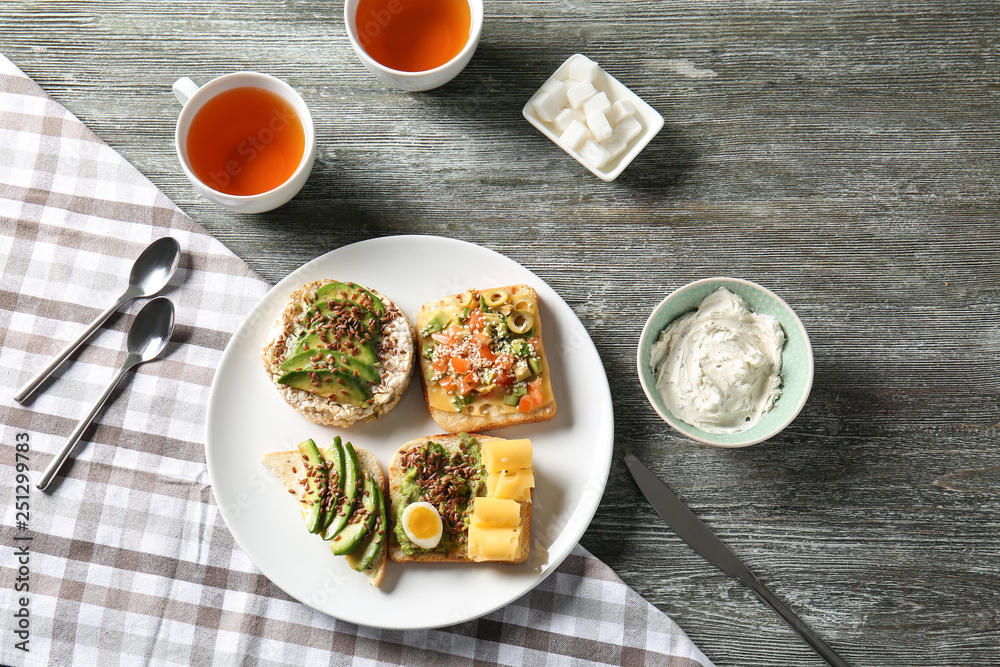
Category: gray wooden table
[844,155]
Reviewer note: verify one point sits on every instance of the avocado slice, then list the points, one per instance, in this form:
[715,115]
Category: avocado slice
[373,542]
[313,341]
[338,385]
[331,358]
[333,458]
[352,293]
[348,539]
[440,320]
[316,486]
[349,479]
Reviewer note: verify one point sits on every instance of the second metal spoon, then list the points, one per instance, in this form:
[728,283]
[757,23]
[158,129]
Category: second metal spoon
[149,334]
[150,273]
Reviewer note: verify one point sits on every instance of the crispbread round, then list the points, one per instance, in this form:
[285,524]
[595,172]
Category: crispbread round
[396,358]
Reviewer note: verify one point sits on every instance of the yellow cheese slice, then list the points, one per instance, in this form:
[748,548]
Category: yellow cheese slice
[499,512]
[515,485]
[506,455]
[493,543]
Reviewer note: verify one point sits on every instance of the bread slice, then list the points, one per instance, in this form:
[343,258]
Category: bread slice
[288,468]
[484,413]
[397,503]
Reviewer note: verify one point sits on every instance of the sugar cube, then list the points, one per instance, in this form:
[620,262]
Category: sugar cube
[620,110]
[583,69]
[594,153]
[575,135]
[566,116]
[629,129]
[580,92]
[598,124]
[546,106]
[557,89]
[599,103]
[615,145]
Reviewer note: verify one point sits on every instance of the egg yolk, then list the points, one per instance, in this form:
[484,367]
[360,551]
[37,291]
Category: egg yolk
[423,523]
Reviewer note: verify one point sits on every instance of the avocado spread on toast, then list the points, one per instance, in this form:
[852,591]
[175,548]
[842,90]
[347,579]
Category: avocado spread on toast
[447,479]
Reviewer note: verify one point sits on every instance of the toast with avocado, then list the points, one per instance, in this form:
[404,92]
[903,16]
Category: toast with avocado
[482,362]
[447,506]
[341,494]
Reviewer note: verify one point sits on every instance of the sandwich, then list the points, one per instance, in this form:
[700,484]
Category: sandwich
[339,352]
[340,491]
[461,498]
[482,361]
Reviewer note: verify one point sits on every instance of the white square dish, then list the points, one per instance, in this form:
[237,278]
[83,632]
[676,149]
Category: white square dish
[650,119]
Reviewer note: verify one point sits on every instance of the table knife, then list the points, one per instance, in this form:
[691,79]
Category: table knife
[699,537]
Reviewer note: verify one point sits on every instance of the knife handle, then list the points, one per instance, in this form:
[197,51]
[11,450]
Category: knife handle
[798,625]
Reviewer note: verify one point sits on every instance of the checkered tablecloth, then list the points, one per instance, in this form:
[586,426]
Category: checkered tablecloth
[127,560]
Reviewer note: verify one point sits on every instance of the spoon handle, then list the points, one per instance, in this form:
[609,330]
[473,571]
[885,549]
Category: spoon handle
[74,437]
[70,348]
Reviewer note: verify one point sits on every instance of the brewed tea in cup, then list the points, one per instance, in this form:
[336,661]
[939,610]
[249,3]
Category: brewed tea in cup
[245,140]
[414,44]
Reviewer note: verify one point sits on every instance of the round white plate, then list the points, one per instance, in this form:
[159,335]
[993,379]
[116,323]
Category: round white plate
[247,418]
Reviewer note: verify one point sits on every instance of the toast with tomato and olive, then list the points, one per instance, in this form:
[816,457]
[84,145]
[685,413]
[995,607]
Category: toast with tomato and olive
[482,361]
[341,493]
[339,352]
[461,498]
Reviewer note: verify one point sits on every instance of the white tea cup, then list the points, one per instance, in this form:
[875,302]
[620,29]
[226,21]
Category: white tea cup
[413,81]
[194,97]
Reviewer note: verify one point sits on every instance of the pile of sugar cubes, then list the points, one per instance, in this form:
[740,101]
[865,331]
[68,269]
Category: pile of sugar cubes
[598,129]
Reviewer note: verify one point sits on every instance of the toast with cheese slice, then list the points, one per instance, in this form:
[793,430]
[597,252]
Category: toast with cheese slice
[482,361]
[479,487]
[353,523]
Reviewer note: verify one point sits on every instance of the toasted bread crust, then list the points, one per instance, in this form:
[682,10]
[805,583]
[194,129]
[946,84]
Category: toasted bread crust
[282,463]
[459,422]
[396,361]
[457,555]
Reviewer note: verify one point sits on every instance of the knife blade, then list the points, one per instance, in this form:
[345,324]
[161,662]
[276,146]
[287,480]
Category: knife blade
[700,537]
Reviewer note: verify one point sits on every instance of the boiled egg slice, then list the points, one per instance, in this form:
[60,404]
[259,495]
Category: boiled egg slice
[422,524]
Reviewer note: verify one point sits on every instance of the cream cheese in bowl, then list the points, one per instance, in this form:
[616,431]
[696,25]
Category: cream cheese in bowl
[719,367]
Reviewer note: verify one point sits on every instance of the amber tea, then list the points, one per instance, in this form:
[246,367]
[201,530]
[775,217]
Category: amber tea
[413,35]
[245,141]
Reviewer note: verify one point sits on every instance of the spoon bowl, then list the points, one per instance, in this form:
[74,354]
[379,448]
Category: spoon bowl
[148,336]
[151,330]
[155,266]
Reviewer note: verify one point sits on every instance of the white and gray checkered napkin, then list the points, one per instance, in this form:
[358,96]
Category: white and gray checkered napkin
[129,561]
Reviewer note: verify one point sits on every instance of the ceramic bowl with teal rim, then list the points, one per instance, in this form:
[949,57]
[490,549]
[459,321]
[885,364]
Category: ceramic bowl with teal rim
[796,359]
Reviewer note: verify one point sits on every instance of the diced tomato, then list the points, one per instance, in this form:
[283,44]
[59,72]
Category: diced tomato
[480,338]
[535,342]
[533,399]
[486,353]
[503,378]
[468,382]
[475,321]
[440,364]
[447,383]
[460,365]
[441,338]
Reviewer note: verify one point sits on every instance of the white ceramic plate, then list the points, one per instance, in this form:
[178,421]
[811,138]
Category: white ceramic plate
[247,418]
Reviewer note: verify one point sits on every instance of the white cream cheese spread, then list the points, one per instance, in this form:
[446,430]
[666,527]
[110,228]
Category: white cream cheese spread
[719,367]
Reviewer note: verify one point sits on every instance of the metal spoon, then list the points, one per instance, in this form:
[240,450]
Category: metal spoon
[150,273]
[148,336]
